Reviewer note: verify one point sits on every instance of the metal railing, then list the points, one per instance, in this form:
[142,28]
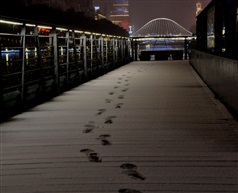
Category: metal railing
[42,61]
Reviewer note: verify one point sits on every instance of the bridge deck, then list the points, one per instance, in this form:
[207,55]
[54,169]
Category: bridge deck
[146,127]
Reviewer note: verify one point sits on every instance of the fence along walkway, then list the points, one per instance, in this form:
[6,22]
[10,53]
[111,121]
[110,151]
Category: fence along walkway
[38,62]
[146,127]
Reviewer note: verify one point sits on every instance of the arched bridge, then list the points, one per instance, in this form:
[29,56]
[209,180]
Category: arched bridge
[161,39]
[162,27]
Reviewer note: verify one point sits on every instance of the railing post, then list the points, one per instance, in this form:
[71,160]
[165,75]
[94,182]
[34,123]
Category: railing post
[113,51]
[116,50]
[67,57]
[106,52]
[23,44]
[130,49]
[127,49]
[83,44]
[39,61]
[75,54]
[185,49]
[102,51]
[91,48]
[121,48]
[124,49]
[56,59]
[135,49]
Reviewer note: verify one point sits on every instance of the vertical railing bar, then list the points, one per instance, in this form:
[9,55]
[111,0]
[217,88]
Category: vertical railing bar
[56,59]
[91,44]
[23,44]
[116,41]
[39,61]
[75,54]
[83,43]
[67,55]
[102,52]
[113,51]
[106,52]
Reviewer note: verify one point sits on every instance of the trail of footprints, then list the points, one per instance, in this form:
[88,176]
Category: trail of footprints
[92,156]
[118,105]
[104,139]
[109,119]
[89,127]
[101,111]
[131,171]
[128,168]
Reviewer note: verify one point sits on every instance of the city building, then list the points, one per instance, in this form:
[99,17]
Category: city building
[120,13]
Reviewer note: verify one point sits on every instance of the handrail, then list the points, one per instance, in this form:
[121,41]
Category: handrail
[33,56]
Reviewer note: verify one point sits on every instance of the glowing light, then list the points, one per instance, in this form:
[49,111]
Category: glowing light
[61,29]
[46,27]
[10,22]
[30,25]
[77,31]
[7,59]
[89,33]
[27,55]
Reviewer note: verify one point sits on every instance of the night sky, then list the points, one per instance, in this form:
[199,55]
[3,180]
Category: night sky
[181,11]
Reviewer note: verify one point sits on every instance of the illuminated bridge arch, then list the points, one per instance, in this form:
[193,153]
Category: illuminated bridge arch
[162,27]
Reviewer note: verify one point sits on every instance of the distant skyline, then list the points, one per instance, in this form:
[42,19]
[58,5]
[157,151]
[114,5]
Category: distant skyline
[181,11]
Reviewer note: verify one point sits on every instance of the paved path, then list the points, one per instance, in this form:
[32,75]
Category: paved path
[147,127]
